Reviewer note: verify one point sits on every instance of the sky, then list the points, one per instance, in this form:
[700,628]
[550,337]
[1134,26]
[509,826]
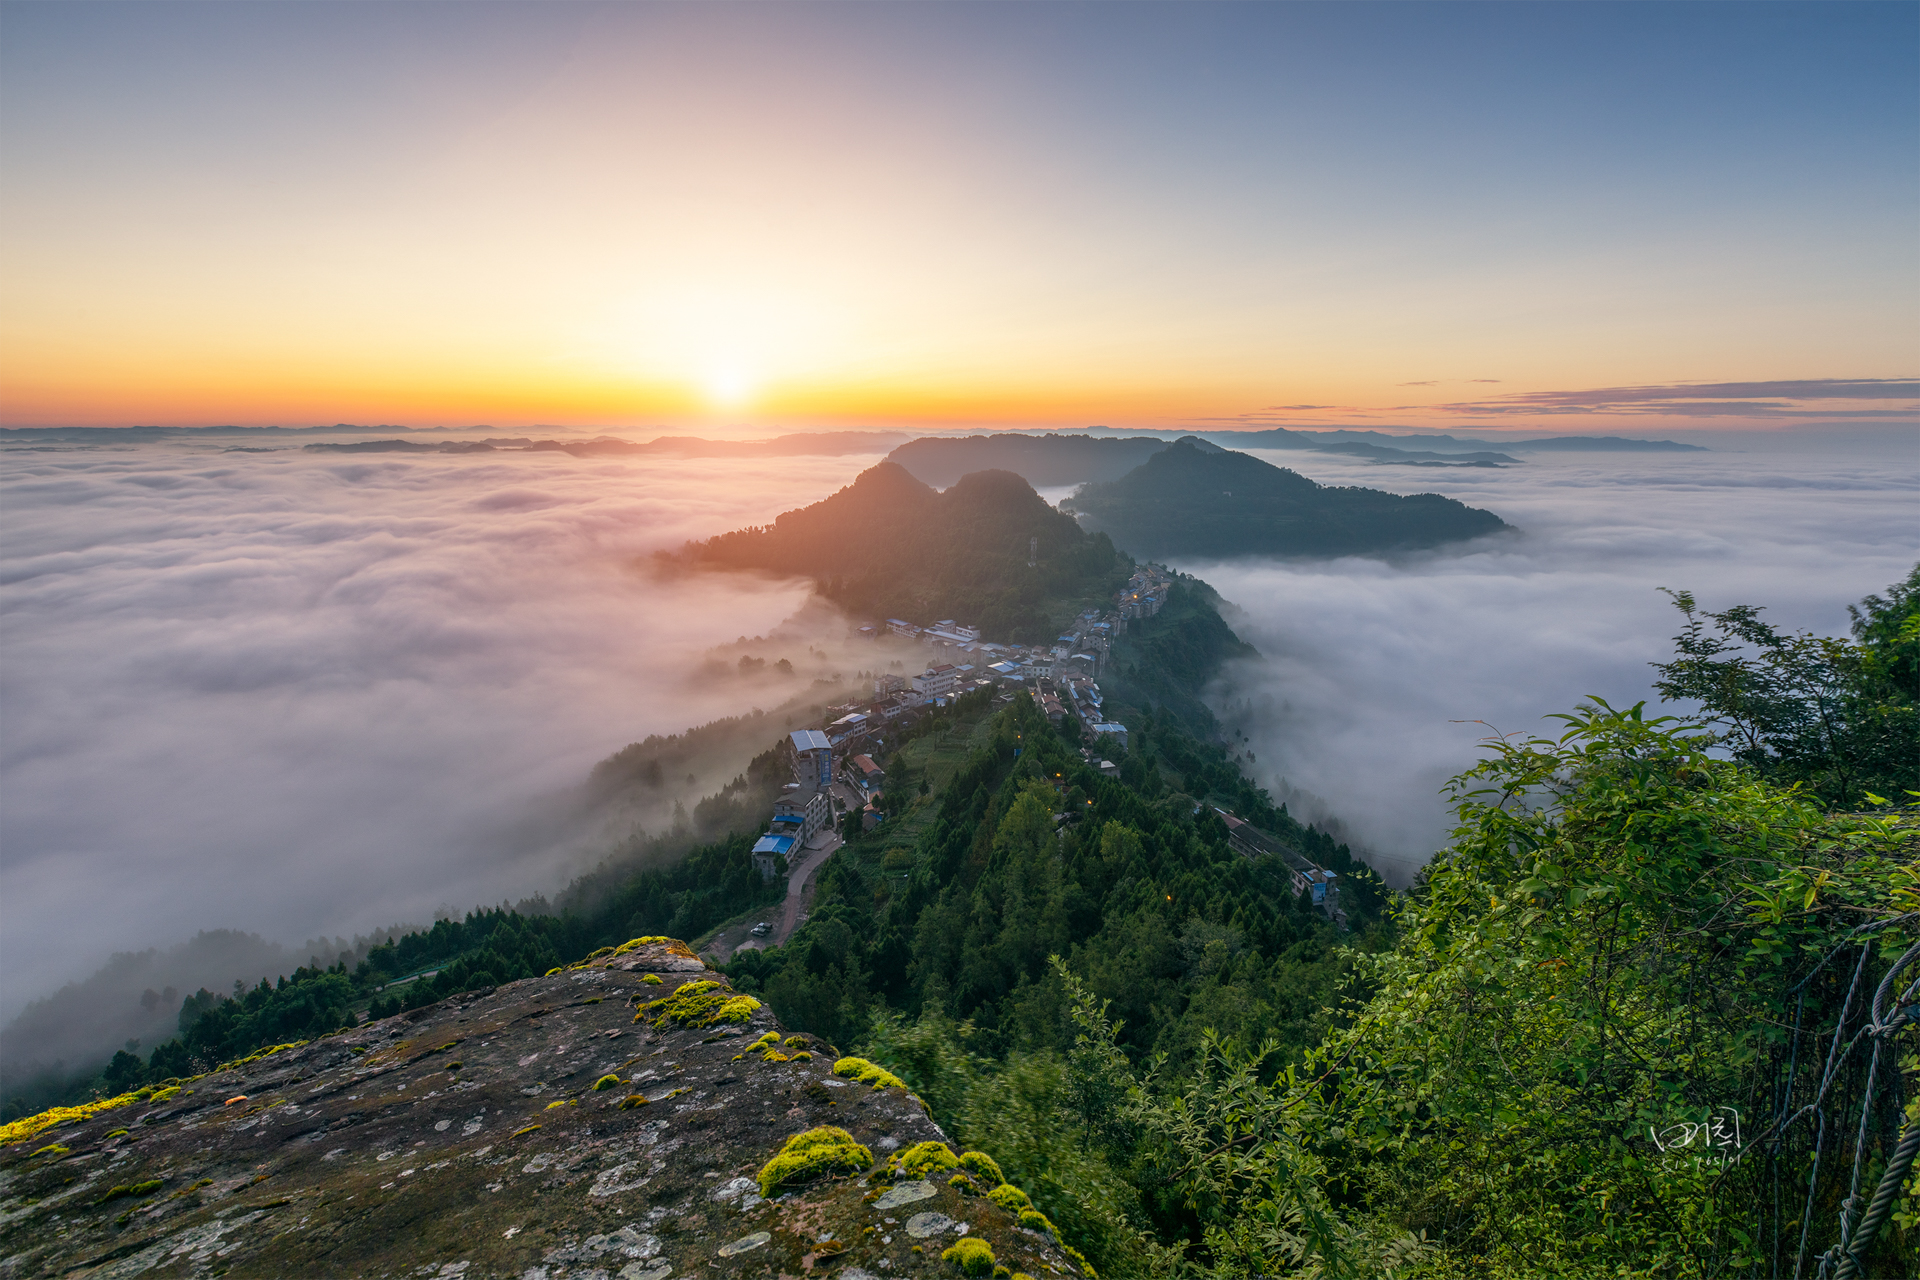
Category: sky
[744,219]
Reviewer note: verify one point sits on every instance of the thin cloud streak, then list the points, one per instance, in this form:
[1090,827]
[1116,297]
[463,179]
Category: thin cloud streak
[1711,399]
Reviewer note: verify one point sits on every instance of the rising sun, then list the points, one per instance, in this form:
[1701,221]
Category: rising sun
[727,385]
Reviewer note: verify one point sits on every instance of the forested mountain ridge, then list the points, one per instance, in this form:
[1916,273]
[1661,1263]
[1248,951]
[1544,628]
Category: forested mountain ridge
[1192,499]
[888,545]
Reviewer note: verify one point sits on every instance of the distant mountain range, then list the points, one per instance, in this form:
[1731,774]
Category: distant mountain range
[1196,499]
[1055,458]
[816,443]
[939,460]
[1437,445]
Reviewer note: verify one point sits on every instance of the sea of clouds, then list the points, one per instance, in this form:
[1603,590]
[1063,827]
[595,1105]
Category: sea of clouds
[306,694]
[1370,666]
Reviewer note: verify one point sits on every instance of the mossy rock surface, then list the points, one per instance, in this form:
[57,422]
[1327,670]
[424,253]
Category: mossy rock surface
[363,1154]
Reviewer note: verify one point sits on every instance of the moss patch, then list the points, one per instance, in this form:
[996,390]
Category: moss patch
[605,1082]
[1080,1260]
[826,1150]
[1010,1198]
[135,1189]
[25,1127]
[972,1255]
[982,1166]
[924,1158]
[867,1073]
[1035,1220]
[258,1054]
[699,1004]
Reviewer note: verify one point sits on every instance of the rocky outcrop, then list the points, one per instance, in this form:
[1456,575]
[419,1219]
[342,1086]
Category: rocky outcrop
[629,1117]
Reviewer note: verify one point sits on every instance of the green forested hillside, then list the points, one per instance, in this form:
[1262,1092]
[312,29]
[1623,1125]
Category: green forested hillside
[1166,661]
[888,545]
[1622,1027]
[1192,499]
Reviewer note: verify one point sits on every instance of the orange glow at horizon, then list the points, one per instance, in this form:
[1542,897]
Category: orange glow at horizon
[717,219]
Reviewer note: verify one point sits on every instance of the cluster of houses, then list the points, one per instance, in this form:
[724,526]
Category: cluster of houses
[1061,677]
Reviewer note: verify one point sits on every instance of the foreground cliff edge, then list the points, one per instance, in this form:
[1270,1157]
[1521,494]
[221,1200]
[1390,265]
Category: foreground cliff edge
[629,1116]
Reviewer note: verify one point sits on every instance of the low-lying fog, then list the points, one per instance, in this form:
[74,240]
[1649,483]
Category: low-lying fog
[302,695]
[298,695]
[1368,664]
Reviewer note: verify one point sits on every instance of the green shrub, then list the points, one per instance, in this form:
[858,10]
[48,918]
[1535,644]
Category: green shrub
[605,1082]
[1034,1220]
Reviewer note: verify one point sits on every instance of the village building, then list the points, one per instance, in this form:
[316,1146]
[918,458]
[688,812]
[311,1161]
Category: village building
[865,775]
[812,758]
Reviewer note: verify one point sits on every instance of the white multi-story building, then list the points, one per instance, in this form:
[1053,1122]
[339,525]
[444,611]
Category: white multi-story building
[935,681]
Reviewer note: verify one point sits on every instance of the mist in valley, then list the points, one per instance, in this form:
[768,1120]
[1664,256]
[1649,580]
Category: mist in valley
[284,696]
[1375,673]
[297,695]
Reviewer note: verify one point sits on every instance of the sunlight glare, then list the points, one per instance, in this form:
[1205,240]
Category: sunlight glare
[727,385]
